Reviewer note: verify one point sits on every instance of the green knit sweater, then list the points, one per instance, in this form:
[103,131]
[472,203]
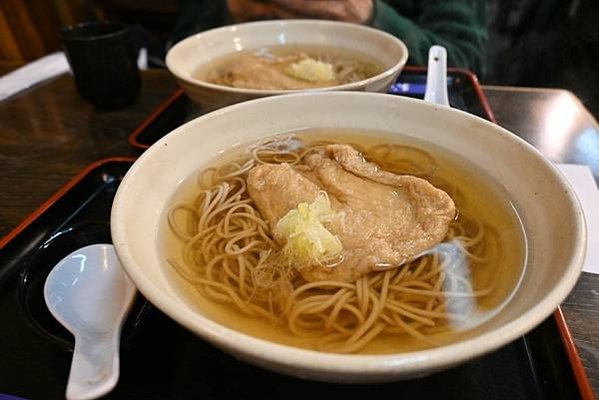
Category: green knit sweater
[458,25]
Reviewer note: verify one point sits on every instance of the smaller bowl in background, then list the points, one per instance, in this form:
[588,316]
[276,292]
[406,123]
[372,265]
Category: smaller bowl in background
[187,56]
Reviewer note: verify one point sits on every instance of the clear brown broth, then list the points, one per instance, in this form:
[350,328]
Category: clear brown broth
[214,70]
[479,196]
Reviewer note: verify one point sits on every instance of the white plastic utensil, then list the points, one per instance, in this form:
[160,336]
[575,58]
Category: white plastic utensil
[89,294]
[436,77]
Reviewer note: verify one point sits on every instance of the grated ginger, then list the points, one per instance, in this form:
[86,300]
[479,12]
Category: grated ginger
[308,241]
[311,70]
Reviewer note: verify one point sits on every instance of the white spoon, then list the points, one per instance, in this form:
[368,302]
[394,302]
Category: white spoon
[89,294]
[436,76]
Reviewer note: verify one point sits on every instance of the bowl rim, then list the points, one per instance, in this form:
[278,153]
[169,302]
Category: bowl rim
[388,72]
[367,367]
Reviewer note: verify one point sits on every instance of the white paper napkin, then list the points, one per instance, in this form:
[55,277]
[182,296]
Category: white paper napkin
[33,73]
[581,179]
[45,68]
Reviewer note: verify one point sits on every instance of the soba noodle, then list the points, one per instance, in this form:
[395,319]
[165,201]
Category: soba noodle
[230,257]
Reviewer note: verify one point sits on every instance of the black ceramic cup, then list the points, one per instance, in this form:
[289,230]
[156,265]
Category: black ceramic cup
[104,63]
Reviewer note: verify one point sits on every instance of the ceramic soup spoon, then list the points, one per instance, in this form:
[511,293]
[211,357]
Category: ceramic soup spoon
[90,295]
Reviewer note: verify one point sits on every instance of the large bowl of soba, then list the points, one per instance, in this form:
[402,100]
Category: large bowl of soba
[350,237]
[240,62]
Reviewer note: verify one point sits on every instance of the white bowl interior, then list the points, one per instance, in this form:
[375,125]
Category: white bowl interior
[186,56]
[550,212]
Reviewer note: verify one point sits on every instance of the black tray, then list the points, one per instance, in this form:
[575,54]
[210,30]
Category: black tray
[162,360]
[464,93]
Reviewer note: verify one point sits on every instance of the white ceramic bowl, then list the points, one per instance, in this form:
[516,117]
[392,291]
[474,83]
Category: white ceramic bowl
[185,57]
[550,212]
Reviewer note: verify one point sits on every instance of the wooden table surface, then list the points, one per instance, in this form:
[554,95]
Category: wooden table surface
[552,120]
[560,127]
[48,134]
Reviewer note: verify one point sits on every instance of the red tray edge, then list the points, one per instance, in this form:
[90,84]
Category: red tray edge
[473,80]
[582,380]
[133,138]
[151,117]
[56,196]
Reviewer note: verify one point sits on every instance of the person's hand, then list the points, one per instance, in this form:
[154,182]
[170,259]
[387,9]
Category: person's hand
[252,10]
[357,11]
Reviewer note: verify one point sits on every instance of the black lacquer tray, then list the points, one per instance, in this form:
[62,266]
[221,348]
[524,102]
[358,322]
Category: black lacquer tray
[162,360]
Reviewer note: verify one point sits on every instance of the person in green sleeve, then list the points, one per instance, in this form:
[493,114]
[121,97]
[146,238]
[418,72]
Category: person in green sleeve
[458,25]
